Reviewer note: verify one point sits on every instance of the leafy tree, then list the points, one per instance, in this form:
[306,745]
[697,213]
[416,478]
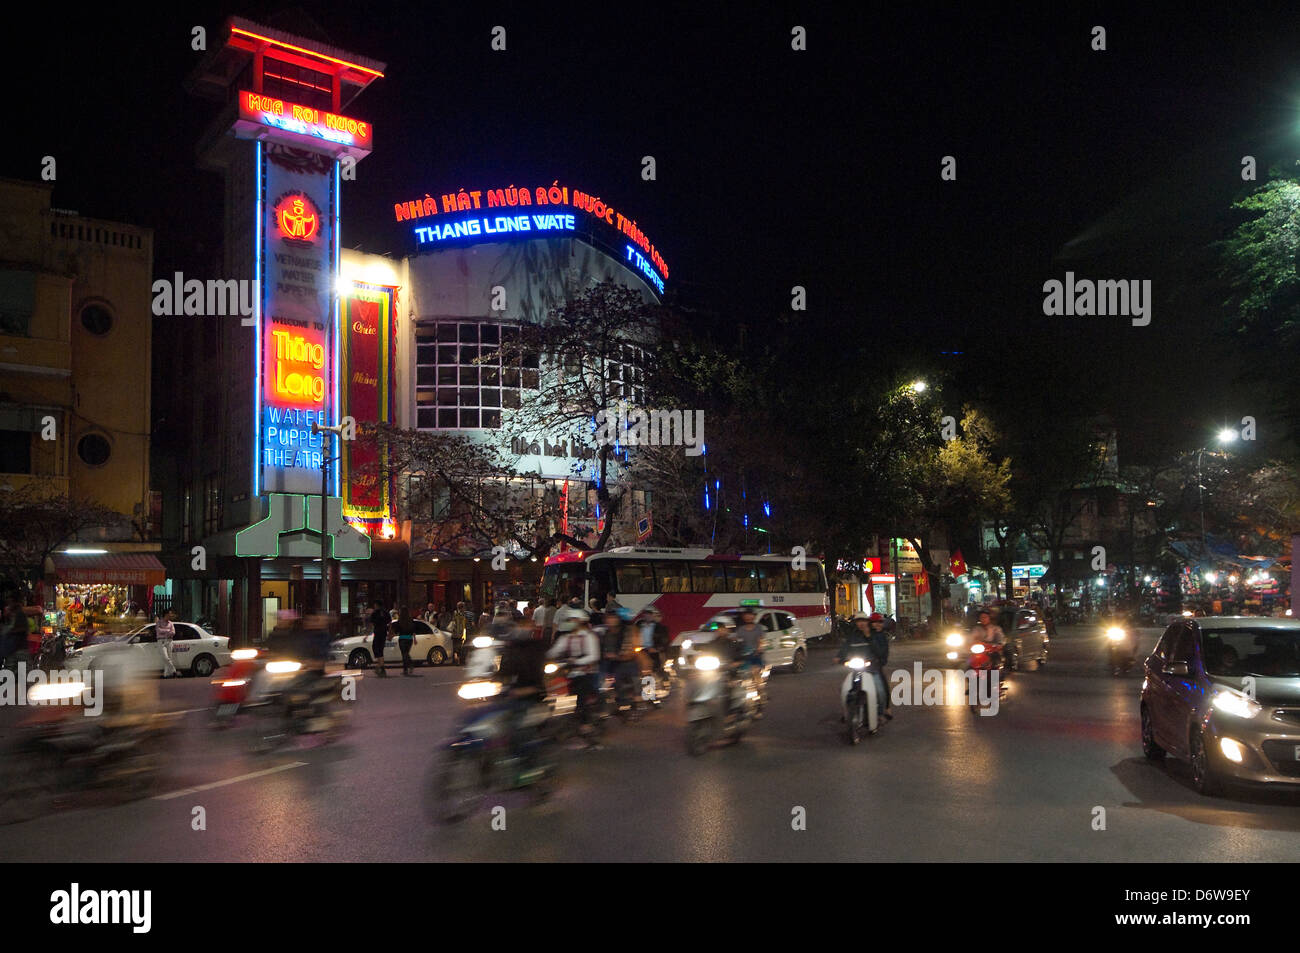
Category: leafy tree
[35,522]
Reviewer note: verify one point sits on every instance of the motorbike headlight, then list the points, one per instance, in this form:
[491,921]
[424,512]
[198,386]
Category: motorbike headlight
[707,663]
[481,641]
[686,646]
[1236,704]
[473,690]
[283,668]
[57,691]
[243,655]
[551,668]
[856,662]
[231,682]
[1115,634]
[977,648]
[955,638]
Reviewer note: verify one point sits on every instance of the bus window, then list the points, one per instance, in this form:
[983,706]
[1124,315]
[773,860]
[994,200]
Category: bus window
[600,575]
[808,579]
[673,575]
[742,578]
[773,577]
[634,577]
[563,581]
[708,577]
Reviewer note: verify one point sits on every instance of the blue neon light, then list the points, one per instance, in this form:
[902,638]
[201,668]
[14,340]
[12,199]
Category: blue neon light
[338,325]
[257,325]
[643,265]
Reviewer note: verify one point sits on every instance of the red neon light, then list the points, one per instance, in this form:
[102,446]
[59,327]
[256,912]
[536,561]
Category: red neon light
[299,49]
[297,217]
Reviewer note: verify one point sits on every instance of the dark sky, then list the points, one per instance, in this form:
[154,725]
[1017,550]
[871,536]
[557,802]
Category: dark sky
[775,167]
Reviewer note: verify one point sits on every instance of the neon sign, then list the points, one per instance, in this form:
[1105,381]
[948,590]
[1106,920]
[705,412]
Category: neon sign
[512,202]
[501,224]
[293,351]
[297,218]
[304,120]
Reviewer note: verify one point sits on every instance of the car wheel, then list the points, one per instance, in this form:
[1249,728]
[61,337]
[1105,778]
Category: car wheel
[800,661]
[436,656]
[1151,750]
[1204,779]
[203,666]
[359,659]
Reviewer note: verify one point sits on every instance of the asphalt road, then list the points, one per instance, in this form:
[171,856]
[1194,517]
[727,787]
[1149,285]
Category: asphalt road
[936,784]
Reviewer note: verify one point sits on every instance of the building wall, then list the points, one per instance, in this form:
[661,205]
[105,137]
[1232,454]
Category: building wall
[95,384]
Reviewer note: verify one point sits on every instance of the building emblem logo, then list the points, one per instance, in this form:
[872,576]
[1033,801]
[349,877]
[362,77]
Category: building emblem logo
[297,217]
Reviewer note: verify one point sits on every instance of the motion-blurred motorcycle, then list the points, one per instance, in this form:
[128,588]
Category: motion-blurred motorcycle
[1121,650]
[288,701]
[498,747]
[858,698]
[722,700]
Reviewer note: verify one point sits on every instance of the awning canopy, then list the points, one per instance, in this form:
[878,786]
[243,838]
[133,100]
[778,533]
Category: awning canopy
[118,569]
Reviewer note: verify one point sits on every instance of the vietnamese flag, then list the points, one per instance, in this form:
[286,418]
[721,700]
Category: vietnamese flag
[922,583]
[957,564]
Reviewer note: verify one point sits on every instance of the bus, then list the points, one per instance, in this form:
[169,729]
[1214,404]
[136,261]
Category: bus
[688,586]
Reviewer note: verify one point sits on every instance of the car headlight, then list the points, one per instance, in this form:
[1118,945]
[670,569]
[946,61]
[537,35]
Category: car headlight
[707,663]
[955,638]
[1236,704]
[1116,634]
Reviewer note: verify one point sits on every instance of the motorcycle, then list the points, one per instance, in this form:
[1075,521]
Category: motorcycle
[496,749]
[991,660]
[858,698]
[287,701]
[58,751]
[719,703]
[231,690]
[1122,650]
[563,703]
[53,652]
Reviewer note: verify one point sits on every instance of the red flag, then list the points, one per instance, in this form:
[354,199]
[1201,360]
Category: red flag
[957,564]
[922,583]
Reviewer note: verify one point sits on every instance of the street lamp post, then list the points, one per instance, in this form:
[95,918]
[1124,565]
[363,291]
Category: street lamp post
[326,460]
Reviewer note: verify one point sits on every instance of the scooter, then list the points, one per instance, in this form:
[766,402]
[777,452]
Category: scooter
[287,701]
[719,703]
[1122,650]
[858,697]
[231,691]
[563,702]
[990,661]
[495,749]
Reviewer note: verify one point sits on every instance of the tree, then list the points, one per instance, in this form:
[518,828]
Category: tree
[36,522]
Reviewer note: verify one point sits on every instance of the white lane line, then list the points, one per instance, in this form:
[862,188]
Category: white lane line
[220,784]
[188,711]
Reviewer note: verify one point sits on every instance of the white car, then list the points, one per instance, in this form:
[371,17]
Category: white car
[432,646]
[783,641]
[195,650]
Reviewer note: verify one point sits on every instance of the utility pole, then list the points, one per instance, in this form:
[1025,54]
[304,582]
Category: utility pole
[326,460]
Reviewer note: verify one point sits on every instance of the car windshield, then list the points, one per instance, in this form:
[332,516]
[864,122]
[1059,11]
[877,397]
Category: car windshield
[1263,652]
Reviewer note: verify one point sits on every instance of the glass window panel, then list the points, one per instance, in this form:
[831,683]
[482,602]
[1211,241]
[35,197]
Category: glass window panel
[634,576]
[469,418]
[491,396]
[447,375]
[491,333]
[708,577]
[447,331]
[673,575]
[510,377]
[424,374]
[447,419]
[447,354]
[530,379]
[491,375]
[447,396]
[492,418]
[427,353]
[469,397]
[469,375]
[510,399]
[742,578]
[427,418]
[469,334]
[773,577]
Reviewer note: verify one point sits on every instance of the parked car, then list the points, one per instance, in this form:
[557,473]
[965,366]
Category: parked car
[784,644]
[1224,694]
[432,646]
[195,650]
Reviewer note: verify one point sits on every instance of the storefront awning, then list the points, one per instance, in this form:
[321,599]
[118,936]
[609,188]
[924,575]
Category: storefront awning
[118,569]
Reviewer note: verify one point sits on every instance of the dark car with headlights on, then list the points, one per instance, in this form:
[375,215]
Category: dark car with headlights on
[1224,694]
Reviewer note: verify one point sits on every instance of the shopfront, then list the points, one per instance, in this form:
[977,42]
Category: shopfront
[100,591]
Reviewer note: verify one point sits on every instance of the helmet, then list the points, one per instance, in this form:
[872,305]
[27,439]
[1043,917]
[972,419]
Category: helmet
[650,612]
[566,620]
[859,615]
[625,615]
[875,617]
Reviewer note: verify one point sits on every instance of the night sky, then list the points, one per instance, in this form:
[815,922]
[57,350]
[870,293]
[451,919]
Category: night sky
[775,167]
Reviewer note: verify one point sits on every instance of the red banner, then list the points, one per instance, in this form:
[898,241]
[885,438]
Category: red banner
[367,316]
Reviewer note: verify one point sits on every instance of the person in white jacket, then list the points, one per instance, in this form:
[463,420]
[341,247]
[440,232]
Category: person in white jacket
[165,632]
[577,645]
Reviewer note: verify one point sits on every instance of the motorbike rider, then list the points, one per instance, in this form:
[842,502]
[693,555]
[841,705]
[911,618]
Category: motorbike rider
[620,647]
[523,677]
[653,637]
[990,633]
[868,640]
[751,633]
[577,645]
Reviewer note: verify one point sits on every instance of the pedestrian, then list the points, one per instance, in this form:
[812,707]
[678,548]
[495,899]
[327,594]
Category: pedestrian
[431,615]
[166,632]
[444,617]
[459,633]
[484,620]
[545,616]
[379,619]
[405,629]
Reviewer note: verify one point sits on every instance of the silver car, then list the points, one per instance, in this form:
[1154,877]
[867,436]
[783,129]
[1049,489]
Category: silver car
[1224,693]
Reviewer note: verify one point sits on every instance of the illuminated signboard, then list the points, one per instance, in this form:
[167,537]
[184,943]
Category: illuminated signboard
[467,216]
[1033,571]
[369,312]
[304,121]
[297,259]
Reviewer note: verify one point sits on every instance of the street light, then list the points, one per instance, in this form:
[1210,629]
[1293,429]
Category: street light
[1227,435]
[326,460]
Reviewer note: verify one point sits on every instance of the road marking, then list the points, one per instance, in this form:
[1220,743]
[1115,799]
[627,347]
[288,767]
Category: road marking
[220,784]
[188,711]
